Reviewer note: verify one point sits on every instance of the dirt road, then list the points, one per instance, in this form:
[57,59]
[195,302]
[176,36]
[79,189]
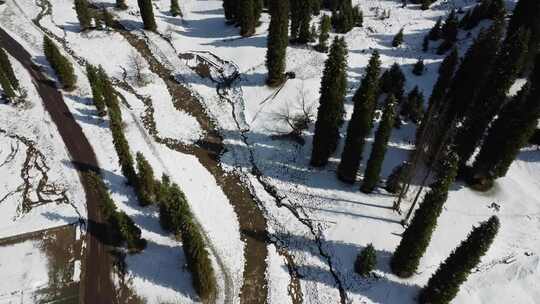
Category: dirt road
[97,283]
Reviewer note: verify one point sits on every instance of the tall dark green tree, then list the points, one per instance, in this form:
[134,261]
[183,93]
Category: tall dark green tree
[246,17]
[96,84]
[515,124]
[527,15]
[330,112]
[300,20]
[435,32]
[146,184]
[492,96]
[324,30]
[444,285]
[6,87]
[278,39]
[7,69]
[147,14]
[417,236]
[449,32]
[413,106]
[83,14]
[60,64]
[343,19]
[380,145]
[361,123]
[393,82]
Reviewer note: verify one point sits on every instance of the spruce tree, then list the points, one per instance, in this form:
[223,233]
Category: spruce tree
[146,185]
[230,10]
[444,285]
[527,15]
[246,17]
[395,179]
[60,64]
[330,112]
[398,39]
[435,32]
[492,96]
[380,145]
[343,19]
[361,123]
[175,8]
[83,14]
[417,236]
[277,42]
[300,20]
[413,107]
[393,82]
[7,69]
[515,124]
[147,14]
[419,67]
[7,89]
[96,85]
[366,261]
[449,32]
[324,30]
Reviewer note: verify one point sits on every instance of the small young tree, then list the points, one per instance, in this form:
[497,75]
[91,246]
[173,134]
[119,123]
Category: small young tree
[398,39]
[175,8]
[147,14]
[7,69]
[376,158]
[419,67]
[324,30]
[366,261]
[278,39]
[358,16]
[361,123]
[146,185]
[83,14]
[444,285]
[417,236]
[330,112]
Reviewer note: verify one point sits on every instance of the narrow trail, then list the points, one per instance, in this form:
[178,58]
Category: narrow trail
[224,87]
[98,286]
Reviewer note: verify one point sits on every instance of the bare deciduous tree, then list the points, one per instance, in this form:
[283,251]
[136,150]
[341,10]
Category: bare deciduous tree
[137,67]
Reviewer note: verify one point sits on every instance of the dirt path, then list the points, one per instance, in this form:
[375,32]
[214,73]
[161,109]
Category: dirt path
[98,287]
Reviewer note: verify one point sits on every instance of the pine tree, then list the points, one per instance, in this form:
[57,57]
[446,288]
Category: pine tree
[83,14]
[393,82]
[358,16]
[300,20]
[343,18]
[511,130]
[419,67]
[7,69]
[444,285]
[246,17]
[417,236]
[361,123]
[175,8]
[378,151]
[487,103]
[435,32]
[324,31]
[146,185]
[277,42]
[60,64]
[94,78]
[7,89]
[527,15]
[230,9]
[413,107]
[366,261]
[121,4]
[147,14]
[395,179]
[449,32]
[330,112]
[398,39]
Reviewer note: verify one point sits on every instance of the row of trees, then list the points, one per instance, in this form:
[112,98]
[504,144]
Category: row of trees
[8,81]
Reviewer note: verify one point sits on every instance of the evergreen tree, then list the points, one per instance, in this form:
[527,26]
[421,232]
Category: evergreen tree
[246,17]
[146,185]
[107,18]
[378,151]
[343,18]
[277,42]
[7,69]
[417,236]
[527,15]
[175,8]
[121,4]
[361,123]
[435,32]
[358,16]
[324,31]
[449,32]
[366,261]
[393,82]
[444,285]
[515,124]
[60,64]
[487,103]
[395,179]
[419,67]
[300,20]
[398,39]
[230,8]
[147,14]
[83,14]
[94,78]
[7,89]
[330,112]
[413,107]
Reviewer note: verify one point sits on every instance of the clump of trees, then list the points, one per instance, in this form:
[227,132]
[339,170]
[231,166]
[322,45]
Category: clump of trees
[330,112]
[277,42]
[60,64]
[487,9]
[176,216]
[120,228]
[444,285]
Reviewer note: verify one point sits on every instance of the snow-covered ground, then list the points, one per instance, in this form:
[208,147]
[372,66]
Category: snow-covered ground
[346,219]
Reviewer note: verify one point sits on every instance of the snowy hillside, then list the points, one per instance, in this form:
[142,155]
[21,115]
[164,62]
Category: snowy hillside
[203,79]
